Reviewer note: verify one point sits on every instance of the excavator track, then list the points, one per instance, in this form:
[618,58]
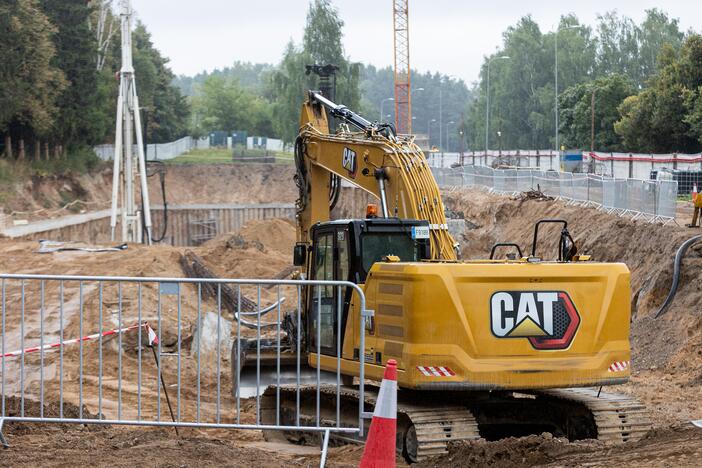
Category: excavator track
[619,418]
[432,429]
[425,428]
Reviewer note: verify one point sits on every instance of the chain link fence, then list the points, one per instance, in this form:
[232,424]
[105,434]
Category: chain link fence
[651,200]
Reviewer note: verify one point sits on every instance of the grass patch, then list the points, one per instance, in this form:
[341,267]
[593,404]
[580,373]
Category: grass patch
[224,156]
[79,161]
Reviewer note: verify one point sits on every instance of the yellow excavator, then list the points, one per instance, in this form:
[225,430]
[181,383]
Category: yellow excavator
[488,348]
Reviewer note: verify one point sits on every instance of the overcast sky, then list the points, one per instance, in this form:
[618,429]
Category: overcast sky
[450,36]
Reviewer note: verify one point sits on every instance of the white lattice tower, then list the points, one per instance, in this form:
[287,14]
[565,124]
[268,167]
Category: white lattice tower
[128,165]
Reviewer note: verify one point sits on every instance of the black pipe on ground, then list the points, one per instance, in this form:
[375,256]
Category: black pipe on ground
[677,267]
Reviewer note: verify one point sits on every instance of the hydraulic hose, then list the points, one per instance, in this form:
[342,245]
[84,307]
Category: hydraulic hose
[676,274]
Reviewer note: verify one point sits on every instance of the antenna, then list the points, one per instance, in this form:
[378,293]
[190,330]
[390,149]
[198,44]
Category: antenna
[126,163]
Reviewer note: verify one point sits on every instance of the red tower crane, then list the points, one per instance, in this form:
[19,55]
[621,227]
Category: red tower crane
[403,94]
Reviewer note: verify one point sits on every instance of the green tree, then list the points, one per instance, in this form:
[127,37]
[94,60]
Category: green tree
[250,76]
[321,45]
[167,110]
[81,118]
[663,117]
[287,87]
[576,112]
[434,97]
[618,46]
[224,105]
[656,32]
[29,82]
[522,88]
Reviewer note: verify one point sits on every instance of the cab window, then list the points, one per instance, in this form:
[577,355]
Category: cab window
[375,246]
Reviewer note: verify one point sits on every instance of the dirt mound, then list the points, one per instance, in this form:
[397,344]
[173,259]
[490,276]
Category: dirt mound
[128,447]
[262,249]
[506,453]
[676,446]
[275,234]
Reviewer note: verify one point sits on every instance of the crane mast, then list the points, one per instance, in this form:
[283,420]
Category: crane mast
[403,93]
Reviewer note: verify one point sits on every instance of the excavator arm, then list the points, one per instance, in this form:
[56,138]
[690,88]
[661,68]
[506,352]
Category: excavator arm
[390,167]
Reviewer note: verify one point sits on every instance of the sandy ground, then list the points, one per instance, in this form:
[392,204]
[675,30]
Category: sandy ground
[667,352]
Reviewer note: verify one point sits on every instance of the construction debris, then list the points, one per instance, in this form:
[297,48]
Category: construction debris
[534,195]
[48,246]
[194,267]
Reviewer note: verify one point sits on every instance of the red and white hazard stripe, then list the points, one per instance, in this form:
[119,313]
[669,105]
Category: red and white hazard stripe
[619,366]
[439,371]
[153,339]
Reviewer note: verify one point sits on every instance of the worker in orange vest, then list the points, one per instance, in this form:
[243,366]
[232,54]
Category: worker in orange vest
[697,203]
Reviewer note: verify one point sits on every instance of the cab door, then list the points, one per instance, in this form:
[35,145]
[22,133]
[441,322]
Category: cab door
[326,303]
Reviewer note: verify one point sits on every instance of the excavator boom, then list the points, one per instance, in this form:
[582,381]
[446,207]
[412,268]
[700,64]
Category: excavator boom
[392,168]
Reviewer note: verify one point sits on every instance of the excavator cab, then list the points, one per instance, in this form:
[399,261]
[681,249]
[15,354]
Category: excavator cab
[346,250]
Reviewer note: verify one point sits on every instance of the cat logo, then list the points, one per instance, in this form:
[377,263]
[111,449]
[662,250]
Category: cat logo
[548,319]
[348,160]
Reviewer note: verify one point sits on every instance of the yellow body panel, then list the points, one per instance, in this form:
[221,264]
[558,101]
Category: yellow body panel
[439,315]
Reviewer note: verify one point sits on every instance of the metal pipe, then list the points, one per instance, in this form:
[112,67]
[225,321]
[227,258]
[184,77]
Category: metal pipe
[380,176]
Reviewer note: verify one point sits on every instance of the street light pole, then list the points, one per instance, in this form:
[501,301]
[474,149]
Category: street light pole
[429,131]
[441,114]
[414,91]
[487,107]
[448,146]
[558,30]
[381,107]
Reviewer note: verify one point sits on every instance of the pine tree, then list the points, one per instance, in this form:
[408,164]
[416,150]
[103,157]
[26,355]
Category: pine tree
[29,82]
[82,119]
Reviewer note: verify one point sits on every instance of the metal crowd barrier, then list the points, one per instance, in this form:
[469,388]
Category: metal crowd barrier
[651,200]
[149,351]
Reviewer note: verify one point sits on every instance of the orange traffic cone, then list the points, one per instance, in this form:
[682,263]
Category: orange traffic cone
[379,451]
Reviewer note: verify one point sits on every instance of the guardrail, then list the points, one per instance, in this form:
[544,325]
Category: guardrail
[149,351]
[652,200]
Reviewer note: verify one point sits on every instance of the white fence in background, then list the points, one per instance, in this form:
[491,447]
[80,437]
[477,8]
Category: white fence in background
[537,159]
[161,151]
[651,200]
[619,165]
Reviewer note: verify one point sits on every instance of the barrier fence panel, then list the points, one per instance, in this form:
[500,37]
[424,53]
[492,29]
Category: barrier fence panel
[595,190]
[565,183]
[158,352]
[580,188]
[621,197]
[654,200]
[649,199]
[667,199]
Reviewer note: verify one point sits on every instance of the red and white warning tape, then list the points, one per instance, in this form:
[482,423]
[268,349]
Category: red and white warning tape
[153,339]
[619,366]
[439,371]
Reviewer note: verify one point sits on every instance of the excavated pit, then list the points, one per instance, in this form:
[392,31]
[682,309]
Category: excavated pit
[667,352]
